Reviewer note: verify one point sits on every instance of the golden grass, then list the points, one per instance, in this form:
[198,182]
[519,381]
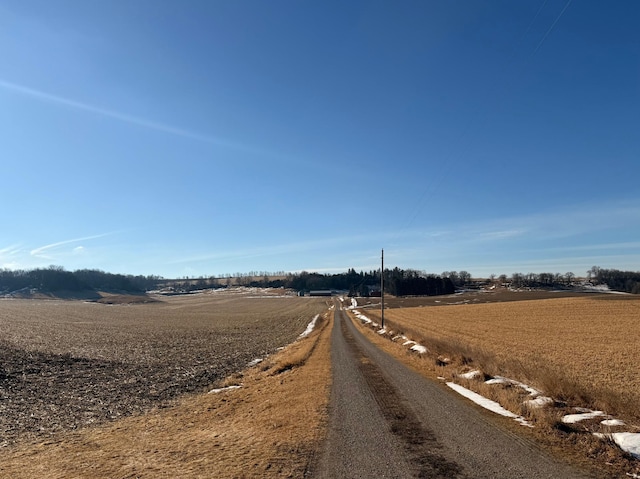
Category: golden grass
[592,344]
[268,428]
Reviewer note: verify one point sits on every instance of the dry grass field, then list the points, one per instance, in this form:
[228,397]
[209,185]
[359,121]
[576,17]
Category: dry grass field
[267,428]
[583,348]
[65,365]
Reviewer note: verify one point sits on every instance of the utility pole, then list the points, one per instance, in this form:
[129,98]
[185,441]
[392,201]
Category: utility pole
[382,289]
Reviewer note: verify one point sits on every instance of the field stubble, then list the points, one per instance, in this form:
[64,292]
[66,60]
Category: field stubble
[583,349]
[65,365]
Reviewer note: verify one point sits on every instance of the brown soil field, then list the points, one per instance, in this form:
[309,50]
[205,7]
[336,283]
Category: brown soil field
[268,428]
[65,365]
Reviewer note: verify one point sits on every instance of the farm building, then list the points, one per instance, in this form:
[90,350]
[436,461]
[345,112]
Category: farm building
[321,292]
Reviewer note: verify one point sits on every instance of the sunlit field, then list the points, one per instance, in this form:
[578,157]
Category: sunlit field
[70,364]
[588,343]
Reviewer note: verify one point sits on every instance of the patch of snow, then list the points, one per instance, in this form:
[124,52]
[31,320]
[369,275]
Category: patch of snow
[627,441]
[382,331]
[529,389]
[487,403]
[612,422]
[503,380]
[254,362]
[471,374]
[310,326]
[539,402]
[419,348]
[497,380]
[361,317]
[408,342]
[573,418]
[220,390]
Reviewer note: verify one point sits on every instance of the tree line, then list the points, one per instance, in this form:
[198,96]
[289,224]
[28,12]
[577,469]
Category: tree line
[56,279]
[616,280]
[540,280]
[625,281]
[398,282]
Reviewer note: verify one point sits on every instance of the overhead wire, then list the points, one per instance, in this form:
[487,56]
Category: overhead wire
[551,27]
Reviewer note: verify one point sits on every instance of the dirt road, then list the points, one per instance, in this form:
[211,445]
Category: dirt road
[388,421]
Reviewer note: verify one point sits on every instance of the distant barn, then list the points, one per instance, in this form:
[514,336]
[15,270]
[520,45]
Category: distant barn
[321,292]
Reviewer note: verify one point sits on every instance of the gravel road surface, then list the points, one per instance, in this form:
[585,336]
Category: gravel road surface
[388,421]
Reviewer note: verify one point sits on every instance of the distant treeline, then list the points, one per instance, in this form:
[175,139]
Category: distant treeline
[55,279]
[539,280]
[397,281]
[626,281]
[616,280]
[413,283]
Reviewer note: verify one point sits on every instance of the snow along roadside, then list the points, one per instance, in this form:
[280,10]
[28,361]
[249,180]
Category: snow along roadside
[487,403]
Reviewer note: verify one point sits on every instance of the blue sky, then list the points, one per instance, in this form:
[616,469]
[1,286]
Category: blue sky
[202,137]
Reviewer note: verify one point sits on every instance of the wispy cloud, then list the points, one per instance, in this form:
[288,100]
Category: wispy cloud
[630,245]
[10,250]
[562,222]
[501,234]
[42,251]
[123,117]
[9,256]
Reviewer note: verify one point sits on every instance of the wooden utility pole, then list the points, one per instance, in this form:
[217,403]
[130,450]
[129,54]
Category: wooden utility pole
[382,290]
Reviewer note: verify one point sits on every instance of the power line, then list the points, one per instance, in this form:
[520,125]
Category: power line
[552,27]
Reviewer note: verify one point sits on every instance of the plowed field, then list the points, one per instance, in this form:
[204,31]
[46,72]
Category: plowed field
[68,364]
